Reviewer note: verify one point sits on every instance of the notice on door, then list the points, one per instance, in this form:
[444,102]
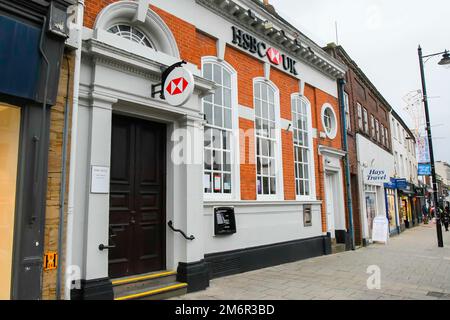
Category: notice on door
[380,231]
[100,180]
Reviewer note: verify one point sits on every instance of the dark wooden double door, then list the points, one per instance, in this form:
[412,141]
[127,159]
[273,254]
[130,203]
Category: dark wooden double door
[137,197]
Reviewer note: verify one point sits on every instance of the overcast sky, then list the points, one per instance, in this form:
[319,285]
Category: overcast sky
[382,37]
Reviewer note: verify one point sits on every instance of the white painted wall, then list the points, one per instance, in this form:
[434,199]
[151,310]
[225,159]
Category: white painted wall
[371,155]
[399,147]
[260,224]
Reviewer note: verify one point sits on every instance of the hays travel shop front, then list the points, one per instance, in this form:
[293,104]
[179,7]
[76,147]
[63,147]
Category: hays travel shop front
[247,192]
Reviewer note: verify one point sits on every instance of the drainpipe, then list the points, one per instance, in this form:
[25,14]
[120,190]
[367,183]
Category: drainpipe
[341,84]
[73,145]
[62,193]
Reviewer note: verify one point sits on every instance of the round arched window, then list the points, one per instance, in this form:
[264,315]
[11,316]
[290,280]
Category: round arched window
[131,33]
[329,121]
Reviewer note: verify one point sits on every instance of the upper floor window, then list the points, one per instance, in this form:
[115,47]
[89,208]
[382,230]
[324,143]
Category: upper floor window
[302,145]
[386,134]
[267,137]
[219,147]
[366,121]
[377,130]
[360,117]
[131,33]
[383,136]
[372,125]
[347,112]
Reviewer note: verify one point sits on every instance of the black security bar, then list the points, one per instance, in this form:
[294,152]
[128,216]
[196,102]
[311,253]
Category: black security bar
[170,224]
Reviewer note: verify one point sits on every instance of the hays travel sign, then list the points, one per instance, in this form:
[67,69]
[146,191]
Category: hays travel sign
[251,44]
[375,176]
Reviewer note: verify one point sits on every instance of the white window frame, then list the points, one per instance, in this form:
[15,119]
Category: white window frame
[334,121]
[311,166]
[235,194]
[372,126]
[359,112]
[366,121]
[279,196]
[347,112]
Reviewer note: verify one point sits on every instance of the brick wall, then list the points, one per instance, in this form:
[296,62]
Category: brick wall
[54,180]
[194,44]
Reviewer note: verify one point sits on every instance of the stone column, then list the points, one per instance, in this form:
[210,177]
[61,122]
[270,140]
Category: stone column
[189,217]
[96,283]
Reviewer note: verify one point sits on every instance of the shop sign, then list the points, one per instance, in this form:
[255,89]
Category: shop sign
[424,169]
[401,184]
[253,45]
[391,184]
[177,85]
[375,176]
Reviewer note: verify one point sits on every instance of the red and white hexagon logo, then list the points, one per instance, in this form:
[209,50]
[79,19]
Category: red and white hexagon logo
[177,86]
[274,56]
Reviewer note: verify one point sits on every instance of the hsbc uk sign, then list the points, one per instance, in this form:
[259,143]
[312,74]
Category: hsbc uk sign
[260,48]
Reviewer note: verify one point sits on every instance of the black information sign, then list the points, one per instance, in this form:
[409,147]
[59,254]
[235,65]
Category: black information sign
[224,221]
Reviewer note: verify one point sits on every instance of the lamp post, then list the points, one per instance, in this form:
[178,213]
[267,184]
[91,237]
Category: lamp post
[445,61]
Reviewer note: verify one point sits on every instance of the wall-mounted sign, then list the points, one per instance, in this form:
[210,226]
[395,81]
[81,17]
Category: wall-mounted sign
[375,176]
[50,261]
[100,180]
[177,85]
[253,45]
[224,221]
[424,169]
[391,184]
[401,183]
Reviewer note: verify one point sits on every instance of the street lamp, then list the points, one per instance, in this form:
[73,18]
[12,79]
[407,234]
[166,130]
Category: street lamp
[444,61]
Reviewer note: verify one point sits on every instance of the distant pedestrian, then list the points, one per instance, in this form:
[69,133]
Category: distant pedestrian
[425,213]
[446,218]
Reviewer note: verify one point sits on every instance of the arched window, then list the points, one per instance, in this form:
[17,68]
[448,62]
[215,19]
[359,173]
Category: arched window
[131,33]
[302,145]
[220,148]
[268,154]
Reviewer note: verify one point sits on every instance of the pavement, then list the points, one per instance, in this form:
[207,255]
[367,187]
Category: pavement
[410,266]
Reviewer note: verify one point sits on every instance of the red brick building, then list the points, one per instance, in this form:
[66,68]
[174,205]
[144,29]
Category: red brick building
[261,133]
[368,115]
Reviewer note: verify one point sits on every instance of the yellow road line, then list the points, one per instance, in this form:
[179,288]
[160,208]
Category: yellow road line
[150,276]
[152,292]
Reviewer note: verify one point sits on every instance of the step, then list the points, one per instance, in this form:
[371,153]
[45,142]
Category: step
[146,281]
[160,292]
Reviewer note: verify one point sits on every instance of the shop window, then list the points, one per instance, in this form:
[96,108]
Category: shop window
[9,154]
[329,121]
[131,33]
[267,138]
[220,114]
[301,109]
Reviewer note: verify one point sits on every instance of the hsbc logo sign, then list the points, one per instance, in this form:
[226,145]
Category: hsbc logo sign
[274,56]
[177,86]
[254,46]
